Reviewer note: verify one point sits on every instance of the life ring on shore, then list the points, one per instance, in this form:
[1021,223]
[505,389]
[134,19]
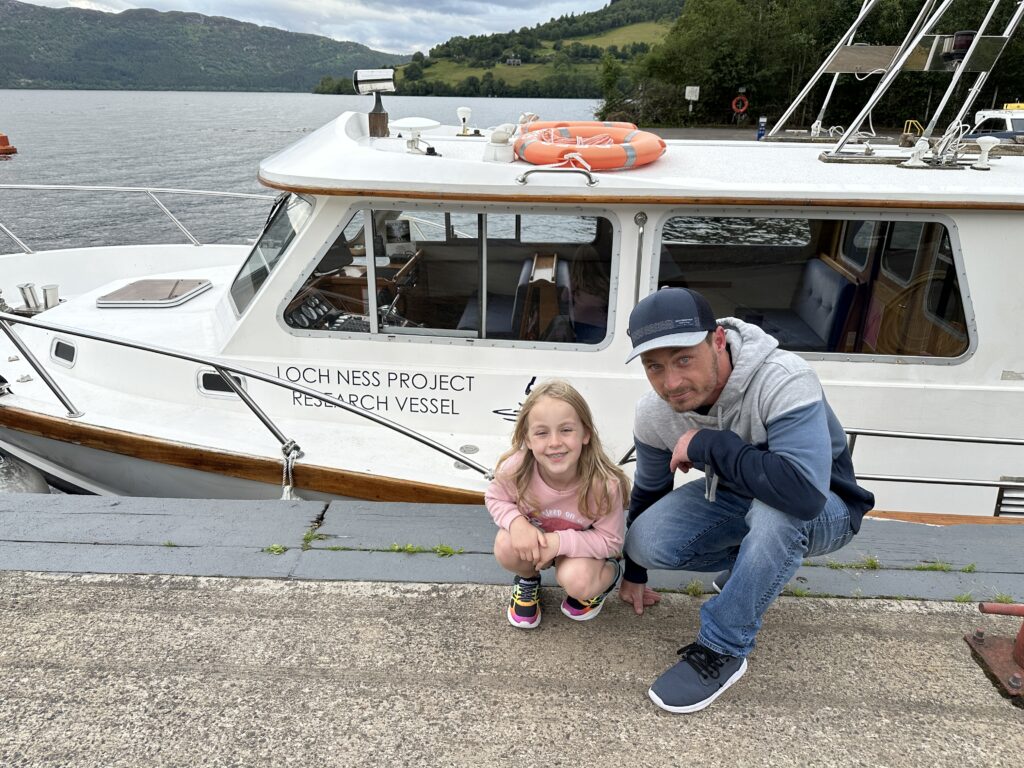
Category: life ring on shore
[740,104]
[589,145]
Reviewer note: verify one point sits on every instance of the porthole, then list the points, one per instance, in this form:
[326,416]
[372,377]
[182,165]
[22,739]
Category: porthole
[63,353]
[211,383]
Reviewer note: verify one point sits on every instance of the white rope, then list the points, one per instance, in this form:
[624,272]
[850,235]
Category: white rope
[291,454]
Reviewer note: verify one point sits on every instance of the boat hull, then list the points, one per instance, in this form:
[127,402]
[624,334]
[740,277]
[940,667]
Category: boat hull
[111,462]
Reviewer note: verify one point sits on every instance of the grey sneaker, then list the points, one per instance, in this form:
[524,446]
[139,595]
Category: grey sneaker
[718,583]
[700,677]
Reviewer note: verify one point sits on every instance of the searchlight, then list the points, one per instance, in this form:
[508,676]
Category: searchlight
[375,81]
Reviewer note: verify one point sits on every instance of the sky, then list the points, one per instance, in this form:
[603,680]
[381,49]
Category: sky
[395,26]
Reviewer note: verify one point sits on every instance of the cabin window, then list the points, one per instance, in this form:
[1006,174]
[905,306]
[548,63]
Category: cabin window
[855,286]
[285,220]
[462,274]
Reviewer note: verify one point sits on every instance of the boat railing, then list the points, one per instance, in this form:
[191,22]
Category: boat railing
[1006,504]
[150,192]
[289,447]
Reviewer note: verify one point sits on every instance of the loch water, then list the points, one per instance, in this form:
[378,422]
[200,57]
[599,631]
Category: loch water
[181,140]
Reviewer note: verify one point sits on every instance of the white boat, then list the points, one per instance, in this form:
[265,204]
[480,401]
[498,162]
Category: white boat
[408,290]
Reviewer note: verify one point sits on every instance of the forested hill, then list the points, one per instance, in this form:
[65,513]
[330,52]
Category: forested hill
[149,50]
[560,58]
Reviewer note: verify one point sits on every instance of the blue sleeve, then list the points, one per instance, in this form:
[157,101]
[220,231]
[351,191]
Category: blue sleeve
[791,473]
[652,479]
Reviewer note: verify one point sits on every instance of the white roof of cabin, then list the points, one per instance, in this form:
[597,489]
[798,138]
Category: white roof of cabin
[341,158]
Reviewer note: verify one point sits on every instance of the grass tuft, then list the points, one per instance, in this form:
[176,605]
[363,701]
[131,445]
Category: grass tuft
[1002,597]
[443,550]
[694,589]
[275,549]
[969,568]
[966,597]
[938,565]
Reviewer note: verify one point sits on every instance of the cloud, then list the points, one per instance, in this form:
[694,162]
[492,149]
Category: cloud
[396,26]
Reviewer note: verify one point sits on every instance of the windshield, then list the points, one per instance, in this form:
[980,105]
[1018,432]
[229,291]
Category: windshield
[286,219]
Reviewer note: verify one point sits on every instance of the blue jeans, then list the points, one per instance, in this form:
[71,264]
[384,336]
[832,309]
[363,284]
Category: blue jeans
[760,544]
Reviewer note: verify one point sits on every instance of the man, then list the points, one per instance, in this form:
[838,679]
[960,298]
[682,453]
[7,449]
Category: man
[778,481]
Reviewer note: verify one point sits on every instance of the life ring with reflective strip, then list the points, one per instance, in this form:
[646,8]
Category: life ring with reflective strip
[589,145]
[540,125]
[740,104]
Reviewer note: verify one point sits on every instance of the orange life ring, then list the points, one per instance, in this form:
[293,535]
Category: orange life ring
[594,145]
[540,125]
[740,104]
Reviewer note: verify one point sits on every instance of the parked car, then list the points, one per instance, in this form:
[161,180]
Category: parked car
[1006,124]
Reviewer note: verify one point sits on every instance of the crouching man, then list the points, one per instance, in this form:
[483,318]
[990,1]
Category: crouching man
[777,485]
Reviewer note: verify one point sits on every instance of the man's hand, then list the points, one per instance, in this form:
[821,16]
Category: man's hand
[680,454]
[527,540]
[640,596]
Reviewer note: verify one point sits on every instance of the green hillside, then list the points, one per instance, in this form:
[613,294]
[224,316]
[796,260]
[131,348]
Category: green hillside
[563,57]
[149,50]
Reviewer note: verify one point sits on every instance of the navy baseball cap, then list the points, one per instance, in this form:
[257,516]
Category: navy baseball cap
[671,317]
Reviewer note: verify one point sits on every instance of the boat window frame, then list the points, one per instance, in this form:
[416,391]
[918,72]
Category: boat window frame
[653,253]
[279,205]
[446,337]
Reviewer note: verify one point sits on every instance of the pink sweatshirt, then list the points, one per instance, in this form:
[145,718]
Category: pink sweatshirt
[557,512]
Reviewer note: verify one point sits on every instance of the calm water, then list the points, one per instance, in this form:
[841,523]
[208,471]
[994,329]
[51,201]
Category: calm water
[211,141]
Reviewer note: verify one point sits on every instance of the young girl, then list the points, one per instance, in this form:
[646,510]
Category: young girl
[557,498]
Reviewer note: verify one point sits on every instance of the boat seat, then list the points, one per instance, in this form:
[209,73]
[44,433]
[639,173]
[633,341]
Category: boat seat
[501,308]
[532,310]
[816,320]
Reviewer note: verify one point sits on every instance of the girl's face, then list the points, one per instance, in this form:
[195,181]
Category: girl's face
[556,438]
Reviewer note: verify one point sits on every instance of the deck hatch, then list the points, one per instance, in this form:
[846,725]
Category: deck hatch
[154,293]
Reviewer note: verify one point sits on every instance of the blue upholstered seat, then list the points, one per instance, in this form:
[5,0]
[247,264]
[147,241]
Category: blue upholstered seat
[816,320]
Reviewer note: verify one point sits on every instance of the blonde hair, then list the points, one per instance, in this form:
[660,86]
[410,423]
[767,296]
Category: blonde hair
[595,470]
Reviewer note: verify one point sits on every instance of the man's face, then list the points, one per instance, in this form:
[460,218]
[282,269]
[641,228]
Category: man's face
[684,377]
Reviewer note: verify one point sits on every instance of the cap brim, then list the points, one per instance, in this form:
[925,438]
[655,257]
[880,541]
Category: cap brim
[672,340]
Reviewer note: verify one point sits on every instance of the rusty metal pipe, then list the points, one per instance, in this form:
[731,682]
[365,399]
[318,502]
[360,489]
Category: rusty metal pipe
[1003,609]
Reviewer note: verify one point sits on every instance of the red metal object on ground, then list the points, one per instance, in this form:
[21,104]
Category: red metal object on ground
[1001,656]
[5,146]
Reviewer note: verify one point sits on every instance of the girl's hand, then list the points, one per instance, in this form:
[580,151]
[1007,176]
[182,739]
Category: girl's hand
[549,551]
[527,540]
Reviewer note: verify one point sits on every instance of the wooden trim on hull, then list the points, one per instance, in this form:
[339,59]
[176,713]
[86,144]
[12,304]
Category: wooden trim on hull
[257,468]
[936,519]
[662,199]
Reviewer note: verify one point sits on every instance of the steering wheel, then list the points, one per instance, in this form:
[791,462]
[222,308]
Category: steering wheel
[406,276]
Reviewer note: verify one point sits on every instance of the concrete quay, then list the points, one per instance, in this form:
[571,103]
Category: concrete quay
[145,632]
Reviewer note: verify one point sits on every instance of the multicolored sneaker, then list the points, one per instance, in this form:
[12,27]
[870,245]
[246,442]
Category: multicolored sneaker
[524,607]
[585,610]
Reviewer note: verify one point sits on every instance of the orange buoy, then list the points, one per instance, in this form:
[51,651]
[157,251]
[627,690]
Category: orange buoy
[590,145]
[540,125]
[5,146]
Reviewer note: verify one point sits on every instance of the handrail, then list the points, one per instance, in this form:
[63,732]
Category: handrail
[852,434]
[523,178]
[150,192]
[257,376]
